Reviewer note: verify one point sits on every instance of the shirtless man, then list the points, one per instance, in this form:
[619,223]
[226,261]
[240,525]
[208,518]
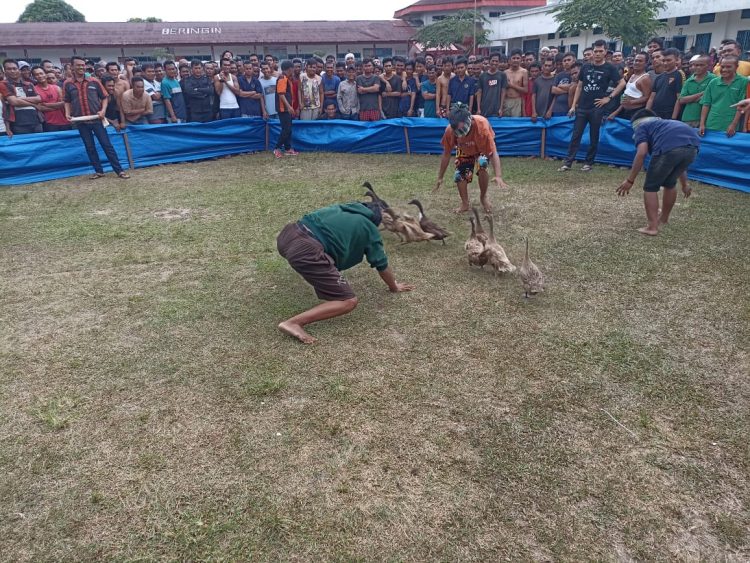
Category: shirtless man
[518,85]
[442,87]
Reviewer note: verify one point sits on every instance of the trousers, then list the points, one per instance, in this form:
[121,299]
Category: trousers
[593,118]
[89,129]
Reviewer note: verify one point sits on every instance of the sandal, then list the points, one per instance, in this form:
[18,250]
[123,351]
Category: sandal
[96,176]
[123,175]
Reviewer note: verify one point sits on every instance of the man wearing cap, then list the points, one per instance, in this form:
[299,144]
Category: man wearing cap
[20,110]
[673,146]
[350,60]
[474,141]
[322,244]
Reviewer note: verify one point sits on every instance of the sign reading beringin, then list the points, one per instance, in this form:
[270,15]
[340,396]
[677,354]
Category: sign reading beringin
[190,30]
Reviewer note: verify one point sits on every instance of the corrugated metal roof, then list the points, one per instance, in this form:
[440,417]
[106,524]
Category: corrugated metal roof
[222,33]
[454,5]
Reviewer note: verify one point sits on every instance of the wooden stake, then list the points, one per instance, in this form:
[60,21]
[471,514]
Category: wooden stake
[128,151]
[268,130]
[406,138]
[543,148]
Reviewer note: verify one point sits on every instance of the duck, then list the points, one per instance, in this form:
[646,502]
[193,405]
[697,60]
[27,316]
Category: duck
[495,253]
[481,234]
[405,226]
[532,277]
[474,248]
[429,226]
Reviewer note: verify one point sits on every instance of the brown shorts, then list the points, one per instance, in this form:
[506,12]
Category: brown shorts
[306,255]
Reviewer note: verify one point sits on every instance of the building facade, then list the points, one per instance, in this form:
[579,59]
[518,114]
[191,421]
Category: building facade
[34,42]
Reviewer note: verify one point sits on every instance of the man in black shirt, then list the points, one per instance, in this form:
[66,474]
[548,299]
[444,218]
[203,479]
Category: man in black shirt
[198,92]
[590,101]
[667,85]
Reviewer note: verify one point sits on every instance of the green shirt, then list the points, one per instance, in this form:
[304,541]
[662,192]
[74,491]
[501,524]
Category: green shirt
[348,234]
[692,111]
[720,97]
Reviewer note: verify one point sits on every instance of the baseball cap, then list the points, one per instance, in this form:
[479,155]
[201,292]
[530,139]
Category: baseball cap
[22,64]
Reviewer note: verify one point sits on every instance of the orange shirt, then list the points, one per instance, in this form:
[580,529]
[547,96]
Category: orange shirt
[480,140]
[283,88]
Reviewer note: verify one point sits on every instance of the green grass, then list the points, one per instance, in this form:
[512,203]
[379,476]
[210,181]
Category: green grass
[150,409]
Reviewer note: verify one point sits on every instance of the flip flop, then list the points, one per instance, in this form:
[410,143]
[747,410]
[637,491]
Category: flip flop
[96,176]
[123,175]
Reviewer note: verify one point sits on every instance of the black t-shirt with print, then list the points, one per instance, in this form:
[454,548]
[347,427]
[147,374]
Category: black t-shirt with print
[595,79]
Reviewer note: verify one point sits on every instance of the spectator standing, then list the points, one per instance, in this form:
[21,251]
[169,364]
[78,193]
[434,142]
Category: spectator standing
[153,90]
[637,89]
[135,104]
[52,106]
[311,92]
[541,97]
[518,85]
[330,85]
[227,88]
[286,111]
[198,89]
[268,83]
[589,102]
[461,87]
[85,97]
[368,90]
[491,89]
[667,86]
[429,92]
[442,86]
[391,93]
[692,91]
[347,98]
[250,97]
[409,91]
[717,113]
[562,85]
[20,101]
[534,71]
[171,92]
[112,114]
[732,48]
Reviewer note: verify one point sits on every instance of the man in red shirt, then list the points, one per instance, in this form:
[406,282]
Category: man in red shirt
[52,105]
[474,141]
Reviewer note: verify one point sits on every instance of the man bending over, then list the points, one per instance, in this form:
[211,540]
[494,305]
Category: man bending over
[323,243]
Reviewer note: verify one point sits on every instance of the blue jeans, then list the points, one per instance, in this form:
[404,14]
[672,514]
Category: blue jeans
[229,113]
[592,117]
[87,130]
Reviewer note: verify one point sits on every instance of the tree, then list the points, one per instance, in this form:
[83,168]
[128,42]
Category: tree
[632,21]
[150,19]
[457,29]
[50,11]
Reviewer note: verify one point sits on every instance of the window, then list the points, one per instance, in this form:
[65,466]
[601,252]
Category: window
[563,35]
[438,18]
[745,14]
[743,38]
[550,36]
[573,48]
[531,45]
[496,14]
[702,43]
[664,20]
[682,20]
[576,33]
[707,18]
[597,30]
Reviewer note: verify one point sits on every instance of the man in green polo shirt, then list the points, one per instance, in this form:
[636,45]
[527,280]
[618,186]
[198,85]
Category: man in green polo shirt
[721,94]
[692,91]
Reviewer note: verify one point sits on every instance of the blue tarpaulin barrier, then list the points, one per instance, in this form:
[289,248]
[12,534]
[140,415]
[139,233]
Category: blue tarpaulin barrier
[33,158]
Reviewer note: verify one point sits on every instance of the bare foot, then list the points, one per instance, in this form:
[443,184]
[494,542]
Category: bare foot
[462,209]
[487,206]
[649,231]
[663,221]
[297,331]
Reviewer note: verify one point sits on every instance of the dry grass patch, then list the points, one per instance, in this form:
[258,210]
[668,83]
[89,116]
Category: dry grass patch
[149,408]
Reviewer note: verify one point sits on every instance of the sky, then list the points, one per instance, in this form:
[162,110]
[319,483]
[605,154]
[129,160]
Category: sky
[174,10]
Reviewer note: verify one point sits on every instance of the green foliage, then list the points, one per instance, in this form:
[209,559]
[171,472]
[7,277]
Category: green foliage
[632,21]
[50,11]
[455,30]
[150,19]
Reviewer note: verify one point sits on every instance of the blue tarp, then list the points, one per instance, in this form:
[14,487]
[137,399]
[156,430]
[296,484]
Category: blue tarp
[34,158]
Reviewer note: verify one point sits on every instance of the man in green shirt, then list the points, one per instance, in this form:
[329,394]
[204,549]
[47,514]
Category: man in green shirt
[692,91]
[323,243]
[721,94]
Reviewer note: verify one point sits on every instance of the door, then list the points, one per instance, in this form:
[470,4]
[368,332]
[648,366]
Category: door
[703,43]
[678,42]
[531,45]
[743,38]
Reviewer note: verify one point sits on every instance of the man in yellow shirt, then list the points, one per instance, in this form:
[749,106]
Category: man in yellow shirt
[733,49]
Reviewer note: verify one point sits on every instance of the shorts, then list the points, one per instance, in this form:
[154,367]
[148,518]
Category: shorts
[663,170]
[465,167]
[513,107]
[307,257]
[369,115]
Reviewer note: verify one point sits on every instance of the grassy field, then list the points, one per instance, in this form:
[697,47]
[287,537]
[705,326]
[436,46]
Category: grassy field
[150,409]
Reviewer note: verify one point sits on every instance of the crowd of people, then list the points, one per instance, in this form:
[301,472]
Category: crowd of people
[701,90]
